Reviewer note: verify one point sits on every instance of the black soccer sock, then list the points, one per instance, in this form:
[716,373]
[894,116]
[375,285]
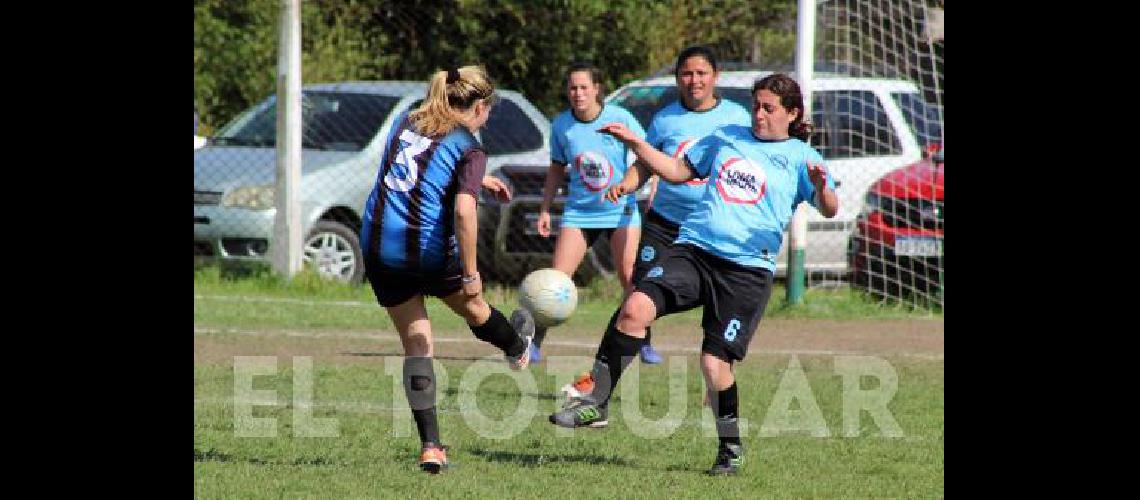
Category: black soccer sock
[614,354]
[539,335]
[419,387]
[725,409]
[648,335]
[498,332]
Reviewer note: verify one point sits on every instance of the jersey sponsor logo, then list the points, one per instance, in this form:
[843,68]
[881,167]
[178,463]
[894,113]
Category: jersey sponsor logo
[655,272]
[732,329]
[647,253]
[741,181]
[683,148]
[595,172]
[779,160]
[404,171]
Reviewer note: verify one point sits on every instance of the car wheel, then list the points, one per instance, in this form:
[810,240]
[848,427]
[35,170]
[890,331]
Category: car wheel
[333,251]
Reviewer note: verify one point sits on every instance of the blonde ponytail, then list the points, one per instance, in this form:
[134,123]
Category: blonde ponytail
[450,99]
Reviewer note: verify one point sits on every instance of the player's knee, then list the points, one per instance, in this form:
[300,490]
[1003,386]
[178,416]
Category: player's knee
[416,344]
[717,369]
[637,312]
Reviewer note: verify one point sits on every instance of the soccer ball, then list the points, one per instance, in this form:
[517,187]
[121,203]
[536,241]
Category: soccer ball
[550,295]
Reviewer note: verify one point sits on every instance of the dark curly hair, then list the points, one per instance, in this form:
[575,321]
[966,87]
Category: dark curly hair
[790,98]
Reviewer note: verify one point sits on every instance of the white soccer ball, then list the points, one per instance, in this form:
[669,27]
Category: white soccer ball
[550,295]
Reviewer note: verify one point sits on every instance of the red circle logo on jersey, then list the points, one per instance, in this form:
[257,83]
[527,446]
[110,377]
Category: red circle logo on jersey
[741,181]
[595,172]
[683,148]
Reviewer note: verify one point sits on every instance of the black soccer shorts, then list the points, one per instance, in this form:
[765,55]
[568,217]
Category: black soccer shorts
[657,235]
[393,286]
[733,296]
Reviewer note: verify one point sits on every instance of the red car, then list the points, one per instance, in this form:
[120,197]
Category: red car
[896,249]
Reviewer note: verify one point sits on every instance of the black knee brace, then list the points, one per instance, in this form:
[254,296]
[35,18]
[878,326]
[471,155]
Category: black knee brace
[419,382]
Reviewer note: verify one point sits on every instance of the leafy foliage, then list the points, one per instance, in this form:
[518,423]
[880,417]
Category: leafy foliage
[526,45]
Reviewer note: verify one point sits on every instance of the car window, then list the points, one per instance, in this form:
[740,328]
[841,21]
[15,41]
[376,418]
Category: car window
[509,130]
[338,121]
[741,96]
[823,127]
[644,102]
[922,118]
[848,123]
[861,126]
[852,124]
[820,139]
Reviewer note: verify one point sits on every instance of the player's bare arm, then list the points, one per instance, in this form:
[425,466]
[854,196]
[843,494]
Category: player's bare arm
[466,232]
[633,180]
[671,169]
[554,176]
[828,202]
[497,188]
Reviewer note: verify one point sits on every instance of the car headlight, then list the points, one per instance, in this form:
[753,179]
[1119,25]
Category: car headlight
[871,203]
[251,197]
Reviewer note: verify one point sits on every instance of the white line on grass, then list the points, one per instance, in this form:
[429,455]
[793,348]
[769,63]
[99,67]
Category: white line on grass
[343,406]
[563,343]
[360,407]
[242,298]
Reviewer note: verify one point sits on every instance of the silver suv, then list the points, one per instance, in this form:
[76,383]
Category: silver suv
[343,130]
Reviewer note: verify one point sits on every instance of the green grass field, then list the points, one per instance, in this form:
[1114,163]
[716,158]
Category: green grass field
[349,340]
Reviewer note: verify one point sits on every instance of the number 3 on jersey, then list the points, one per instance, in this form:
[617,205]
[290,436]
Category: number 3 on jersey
[404,173]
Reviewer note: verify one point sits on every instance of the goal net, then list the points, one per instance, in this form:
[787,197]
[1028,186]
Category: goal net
[884,135]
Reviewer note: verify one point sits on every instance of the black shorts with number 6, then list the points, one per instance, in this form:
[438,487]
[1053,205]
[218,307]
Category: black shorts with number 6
[733,296]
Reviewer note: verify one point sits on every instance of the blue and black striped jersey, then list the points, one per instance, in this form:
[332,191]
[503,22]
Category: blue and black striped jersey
[409,216]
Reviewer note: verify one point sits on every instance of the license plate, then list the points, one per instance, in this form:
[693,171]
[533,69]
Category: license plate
[532,224]
[910,246]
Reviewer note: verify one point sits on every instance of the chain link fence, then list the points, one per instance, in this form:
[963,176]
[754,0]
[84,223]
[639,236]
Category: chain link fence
[876,105]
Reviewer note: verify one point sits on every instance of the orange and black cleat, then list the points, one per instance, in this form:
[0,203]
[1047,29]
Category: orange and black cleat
[583,385]
[433,458]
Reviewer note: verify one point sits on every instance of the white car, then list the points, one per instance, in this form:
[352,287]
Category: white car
[864,128]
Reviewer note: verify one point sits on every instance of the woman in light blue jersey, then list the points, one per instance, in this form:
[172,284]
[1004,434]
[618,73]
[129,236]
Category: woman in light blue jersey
[674,129]
[594,163]
[725,252]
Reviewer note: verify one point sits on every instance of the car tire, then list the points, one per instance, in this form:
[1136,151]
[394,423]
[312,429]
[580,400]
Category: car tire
[336,250]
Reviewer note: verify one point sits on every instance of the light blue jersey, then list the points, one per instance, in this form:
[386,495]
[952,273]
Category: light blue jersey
[674,130]
[597,161]
[754,188]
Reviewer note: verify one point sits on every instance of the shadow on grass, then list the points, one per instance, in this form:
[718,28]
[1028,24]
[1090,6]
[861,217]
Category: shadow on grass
[508,394]
[686,468]
[541,459]
[213,455]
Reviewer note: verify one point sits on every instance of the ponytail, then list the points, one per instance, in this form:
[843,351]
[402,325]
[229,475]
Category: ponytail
[451,93]
[801,129]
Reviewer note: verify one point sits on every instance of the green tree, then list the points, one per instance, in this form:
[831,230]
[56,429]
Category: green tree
[526,45]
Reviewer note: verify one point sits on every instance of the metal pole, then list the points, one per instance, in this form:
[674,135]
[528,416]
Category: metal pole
[285,247]
[797,231]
